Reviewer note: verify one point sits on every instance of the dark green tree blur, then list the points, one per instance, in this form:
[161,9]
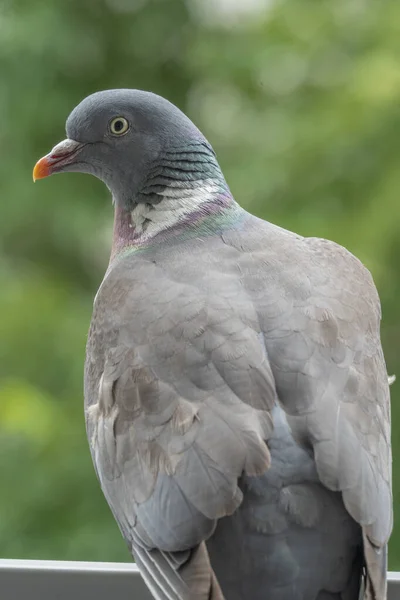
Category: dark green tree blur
[301,103]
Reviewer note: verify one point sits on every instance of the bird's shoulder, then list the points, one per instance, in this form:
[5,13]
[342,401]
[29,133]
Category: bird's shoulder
[301,267]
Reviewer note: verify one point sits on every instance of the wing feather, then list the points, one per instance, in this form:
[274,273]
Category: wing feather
[181,411]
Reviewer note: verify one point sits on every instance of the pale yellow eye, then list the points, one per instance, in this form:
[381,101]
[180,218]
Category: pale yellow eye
[119,126]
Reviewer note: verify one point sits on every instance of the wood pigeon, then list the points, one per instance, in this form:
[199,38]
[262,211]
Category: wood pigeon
[236,394]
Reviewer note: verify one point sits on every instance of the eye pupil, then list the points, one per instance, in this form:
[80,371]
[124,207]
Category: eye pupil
[118,125]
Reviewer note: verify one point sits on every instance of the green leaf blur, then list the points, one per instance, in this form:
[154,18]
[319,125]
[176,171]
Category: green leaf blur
[301,103]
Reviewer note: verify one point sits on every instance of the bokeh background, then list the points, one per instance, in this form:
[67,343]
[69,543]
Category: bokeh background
[301,102]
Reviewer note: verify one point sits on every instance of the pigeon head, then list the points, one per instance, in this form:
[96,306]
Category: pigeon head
[136,142]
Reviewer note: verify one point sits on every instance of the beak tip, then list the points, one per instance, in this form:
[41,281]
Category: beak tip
[41,169]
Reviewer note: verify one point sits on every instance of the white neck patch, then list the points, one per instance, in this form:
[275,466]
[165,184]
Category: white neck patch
[177,201]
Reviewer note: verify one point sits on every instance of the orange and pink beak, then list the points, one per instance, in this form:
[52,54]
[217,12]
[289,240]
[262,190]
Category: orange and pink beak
[62,155]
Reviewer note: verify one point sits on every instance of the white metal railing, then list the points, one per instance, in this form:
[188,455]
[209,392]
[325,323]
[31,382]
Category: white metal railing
[58,580]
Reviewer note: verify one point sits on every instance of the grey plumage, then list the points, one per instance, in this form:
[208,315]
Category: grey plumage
[237,399]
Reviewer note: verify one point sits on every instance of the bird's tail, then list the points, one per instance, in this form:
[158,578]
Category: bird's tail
[375,583]
[185,575]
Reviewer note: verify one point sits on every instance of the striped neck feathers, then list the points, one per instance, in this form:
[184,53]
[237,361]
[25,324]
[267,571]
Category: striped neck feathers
[181,190]
[177,203]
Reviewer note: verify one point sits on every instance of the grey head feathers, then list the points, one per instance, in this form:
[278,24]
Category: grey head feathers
[161,148]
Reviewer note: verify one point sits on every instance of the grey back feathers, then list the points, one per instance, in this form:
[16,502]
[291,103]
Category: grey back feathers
[237,399]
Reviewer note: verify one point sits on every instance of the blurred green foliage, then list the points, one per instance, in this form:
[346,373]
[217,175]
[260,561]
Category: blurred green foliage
[301,102]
